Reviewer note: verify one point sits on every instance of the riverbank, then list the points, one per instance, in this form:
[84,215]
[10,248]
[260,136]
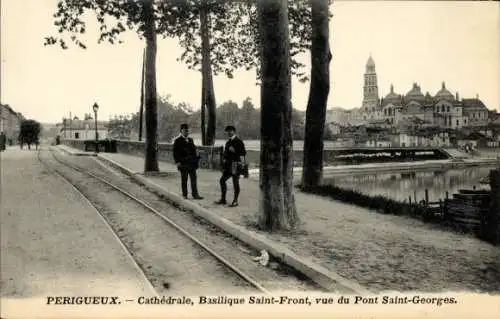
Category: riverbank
[400,167]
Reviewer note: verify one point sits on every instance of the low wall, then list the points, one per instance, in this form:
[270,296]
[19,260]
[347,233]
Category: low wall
[210,157]
[363,155]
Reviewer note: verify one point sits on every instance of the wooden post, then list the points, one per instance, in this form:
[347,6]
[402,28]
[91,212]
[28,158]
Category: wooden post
[426,197]
[409,199]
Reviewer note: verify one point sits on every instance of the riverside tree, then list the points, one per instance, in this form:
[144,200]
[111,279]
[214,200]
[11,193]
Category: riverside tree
[312,173]
[277,203]
[138,16]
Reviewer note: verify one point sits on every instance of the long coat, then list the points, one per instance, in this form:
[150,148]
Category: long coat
[185,153]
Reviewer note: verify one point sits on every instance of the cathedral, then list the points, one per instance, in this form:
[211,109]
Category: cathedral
[443,109]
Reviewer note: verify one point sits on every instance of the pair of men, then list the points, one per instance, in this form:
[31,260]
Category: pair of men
[187,158]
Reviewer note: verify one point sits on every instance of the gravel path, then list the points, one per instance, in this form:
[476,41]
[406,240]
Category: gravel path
[53,242]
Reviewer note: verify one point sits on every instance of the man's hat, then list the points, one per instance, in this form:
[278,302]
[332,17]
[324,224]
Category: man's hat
[184,126]
[229,128]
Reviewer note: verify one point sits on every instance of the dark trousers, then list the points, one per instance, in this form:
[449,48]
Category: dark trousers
[236,184]
[191,172]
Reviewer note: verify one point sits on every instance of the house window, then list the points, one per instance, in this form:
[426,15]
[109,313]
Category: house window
[447,109]
[465,121]
[77,135]
[458,123]
[442,108]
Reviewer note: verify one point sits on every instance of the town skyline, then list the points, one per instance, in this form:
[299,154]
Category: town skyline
[410,42]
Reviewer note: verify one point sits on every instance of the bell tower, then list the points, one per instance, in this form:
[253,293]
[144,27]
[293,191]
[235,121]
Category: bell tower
[370,86]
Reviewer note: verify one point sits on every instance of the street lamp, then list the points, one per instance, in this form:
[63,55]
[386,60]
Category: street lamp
[96,108]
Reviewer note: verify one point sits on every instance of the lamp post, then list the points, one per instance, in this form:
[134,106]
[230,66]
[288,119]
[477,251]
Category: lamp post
[96,108]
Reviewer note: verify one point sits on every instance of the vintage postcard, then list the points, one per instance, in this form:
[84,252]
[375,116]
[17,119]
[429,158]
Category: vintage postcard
[250,158]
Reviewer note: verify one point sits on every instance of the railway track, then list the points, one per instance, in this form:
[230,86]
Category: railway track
[159,218]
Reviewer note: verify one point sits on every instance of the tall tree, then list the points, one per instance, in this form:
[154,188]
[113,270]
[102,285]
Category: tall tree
[321,56]
[277,204]
[29,131]
[150,95]
[230,41]
[208,94]
[138,16]
[141,107]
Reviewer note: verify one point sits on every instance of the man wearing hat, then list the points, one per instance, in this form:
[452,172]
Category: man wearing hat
[186,159]
[233,158]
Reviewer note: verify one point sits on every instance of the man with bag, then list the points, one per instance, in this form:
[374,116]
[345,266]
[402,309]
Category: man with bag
[233,165]
[186,159]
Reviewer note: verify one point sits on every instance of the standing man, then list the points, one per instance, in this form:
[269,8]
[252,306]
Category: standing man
[233,158]
[186,159]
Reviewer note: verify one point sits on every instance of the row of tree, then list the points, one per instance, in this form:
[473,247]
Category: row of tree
[246,119]
[266,35]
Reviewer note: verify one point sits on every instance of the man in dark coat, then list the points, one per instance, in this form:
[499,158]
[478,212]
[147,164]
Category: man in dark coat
[186,159]
[233,157]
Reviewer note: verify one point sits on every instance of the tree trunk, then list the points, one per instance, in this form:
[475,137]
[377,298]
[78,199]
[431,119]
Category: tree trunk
[203,117]
[151,103]
[208,94]
[141,108]
[277,205]
[312,173]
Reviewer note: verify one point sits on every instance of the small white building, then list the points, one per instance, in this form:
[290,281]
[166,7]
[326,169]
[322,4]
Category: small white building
[422,139]
[82,129]
[378,142]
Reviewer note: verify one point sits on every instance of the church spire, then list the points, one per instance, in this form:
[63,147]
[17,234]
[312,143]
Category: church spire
[370,87]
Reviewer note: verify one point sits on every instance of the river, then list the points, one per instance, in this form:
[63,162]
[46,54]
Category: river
[399,186]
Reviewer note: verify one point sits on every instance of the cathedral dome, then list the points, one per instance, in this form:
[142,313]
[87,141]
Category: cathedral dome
[391,96]
[415,93]
[444,94]
[429,100]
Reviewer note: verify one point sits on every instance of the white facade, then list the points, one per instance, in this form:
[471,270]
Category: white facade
[83,130]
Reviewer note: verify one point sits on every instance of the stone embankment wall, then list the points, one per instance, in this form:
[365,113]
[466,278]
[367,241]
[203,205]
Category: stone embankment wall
[210,156]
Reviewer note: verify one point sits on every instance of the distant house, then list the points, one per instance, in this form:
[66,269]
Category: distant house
[82,129]
[491,142]
[422,138]
[378,142]
[10,123]
[475,111]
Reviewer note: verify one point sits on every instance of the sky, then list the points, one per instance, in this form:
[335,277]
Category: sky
[427,42]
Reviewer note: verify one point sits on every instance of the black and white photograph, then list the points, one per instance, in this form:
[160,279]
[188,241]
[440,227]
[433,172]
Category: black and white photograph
[249,158]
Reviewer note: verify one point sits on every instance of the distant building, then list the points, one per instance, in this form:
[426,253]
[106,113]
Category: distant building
[442,109]
[77,129]
[10,123]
